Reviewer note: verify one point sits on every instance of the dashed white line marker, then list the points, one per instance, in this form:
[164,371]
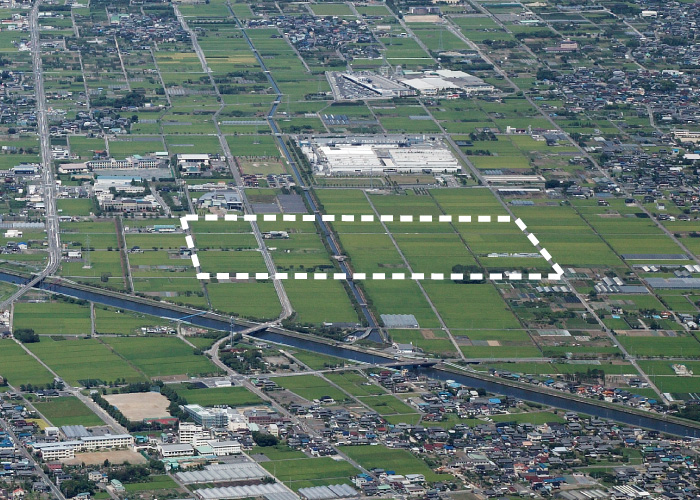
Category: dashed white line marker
[513,275]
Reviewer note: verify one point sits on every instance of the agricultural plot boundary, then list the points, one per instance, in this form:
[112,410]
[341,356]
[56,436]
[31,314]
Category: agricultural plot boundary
[476,277]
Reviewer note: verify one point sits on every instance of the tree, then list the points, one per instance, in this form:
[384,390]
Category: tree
[263,439]
[78,484]
[26,336]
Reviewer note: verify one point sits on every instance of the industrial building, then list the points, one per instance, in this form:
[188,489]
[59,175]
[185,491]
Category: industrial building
[375,157]
[445,81]
[227,200]
[351,86]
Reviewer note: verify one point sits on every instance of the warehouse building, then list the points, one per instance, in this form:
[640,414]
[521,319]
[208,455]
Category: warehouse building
[228,200]
[374,157]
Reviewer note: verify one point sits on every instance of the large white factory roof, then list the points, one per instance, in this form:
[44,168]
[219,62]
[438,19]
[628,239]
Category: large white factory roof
[379,158]
[429,83]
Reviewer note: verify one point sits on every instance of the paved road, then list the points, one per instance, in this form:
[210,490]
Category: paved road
[47,175]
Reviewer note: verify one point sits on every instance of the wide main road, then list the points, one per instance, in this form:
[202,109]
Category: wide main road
[48,181]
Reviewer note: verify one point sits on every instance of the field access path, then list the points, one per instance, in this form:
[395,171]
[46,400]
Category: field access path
[75,391]
[443,325]
[477,175]
[286,304]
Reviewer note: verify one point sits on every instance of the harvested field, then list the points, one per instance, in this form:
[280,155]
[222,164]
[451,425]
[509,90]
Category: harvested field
[140,405]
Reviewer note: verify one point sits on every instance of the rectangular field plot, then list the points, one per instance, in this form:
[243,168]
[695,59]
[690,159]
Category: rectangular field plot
[52,318]
[78,361]
[307,472]
[246,299]
[185,289]
[429,341]
[19,368]
[231,396]
[400,461]
[387,405]
[68,411]
[355,384]
[114,321]
[309,387]
[162,356]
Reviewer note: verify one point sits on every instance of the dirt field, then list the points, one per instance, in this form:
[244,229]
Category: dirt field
[428,334]
[140,405]
[98,458]
[423,19]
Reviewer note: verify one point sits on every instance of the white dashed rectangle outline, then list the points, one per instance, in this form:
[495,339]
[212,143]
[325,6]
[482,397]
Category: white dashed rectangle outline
[496,277]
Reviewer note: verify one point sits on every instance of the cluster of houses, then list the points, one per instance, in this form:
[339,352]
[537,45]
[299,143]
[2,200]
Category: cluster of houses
[317,36]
